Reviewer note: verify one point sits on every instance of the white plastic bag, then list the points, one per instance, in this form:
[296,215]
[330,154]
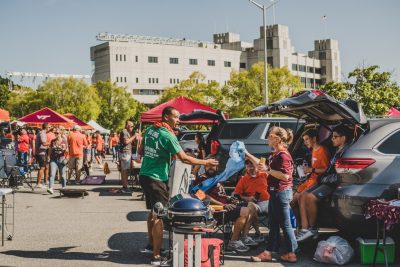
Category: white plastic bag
[335,250]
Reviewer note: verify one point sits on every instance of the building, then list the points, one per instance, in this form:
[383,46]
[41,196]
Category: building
[146,65]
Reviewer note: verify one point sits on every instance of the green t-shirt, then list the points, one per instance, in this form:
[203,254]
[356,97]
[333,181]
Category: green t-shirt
[159,146]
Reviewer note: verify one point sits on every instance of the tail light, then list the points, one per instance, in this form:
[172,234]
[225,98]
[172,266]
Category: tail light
[215,147]
[352,165]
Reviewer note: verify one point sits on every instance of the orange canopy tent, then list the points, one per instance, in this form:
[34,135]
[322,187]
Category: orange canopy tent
[393,112]
[4,115]
[79,122]
[37,118]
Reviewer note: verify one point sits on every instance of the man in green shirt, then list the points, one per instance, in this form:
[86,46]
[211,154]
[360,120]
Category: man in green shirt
[158,148]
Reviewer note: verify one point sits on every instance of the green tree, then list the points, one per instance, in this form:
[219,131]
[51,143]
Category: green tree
[196,89]
[374,90]
[116,105]
[245,89]
[22,101]
[70,95]
[4,91]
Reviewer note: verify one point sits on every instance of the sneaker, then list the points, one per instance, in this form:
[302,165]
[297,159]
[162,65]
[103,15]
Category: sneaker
[248,241]
[264,256]
[304,234]
[161,261]
[50,191]
[258,237]
[149,249]
[126,190]
[40,186]
[237,246]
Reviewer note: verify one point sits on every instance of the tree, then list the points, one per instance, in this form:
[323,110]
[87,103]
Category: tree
[196,89]
[4,91]
[70,95]
[116,105]
[21,101]
[246,88]
[373,90]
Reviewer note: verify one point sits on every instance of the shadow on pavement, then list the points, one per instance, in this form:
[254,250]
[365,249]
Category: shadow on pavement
[136,216]
[124,249]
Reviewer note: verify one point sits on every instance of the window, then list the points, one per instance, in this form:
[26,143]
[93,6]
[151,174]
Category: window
[270,61]
[153,80]
[318,70]
[173,60]
[302,68]
[310,69]
[156,80]
[177,80]
[227,64]
[188,136]
[153,60]
[322,55]
[116,57]
[270,44]
[149,80]
[117,79]
[124,79]
[137,80]
[120,57]
[124,57]
[192,61]
[242,65]
[211,62]
[170,80]
[391,145]
[237,130]
[136,58]
[294,67]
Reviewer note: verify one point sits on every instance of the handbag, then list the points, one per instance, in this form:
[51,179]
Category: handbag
[329,179]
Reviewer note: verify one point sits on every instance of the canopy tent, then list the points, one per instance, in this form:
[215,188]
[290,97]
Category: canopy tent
[182,104]
[79,122]
[393,112]
[98,127]
[4,115]
[37,118]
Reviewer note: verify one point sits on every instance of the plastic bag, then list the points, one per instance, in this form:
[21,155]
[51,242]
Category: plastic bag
[335,250]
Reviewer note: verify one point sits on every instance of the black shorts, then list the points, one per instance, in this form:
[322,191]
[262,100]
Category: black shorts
[154,191]
[41,160]
[321,191]
[230,216]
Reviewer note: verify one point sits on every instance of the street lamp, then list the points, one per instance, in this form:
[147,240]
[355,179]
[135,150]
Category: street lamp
[264,9]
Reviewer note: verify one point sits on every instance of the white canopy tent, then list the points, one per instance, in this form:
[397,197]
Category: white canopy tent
[98,127]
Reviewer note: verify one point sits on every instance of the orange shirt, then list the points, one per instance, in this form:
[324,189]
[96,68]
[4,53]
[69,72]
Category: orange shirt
[248,186]
[76,142]
[114,141]
[50,136]
[100,143]
[319,160]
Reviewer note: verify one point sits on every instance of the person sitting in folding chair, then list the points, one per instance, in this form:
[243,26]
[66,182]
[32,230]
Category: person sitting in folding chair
[235,212]
[253,189]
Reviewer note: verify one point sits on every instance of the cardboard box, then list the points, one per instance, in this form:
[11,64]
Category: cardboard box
[367,250]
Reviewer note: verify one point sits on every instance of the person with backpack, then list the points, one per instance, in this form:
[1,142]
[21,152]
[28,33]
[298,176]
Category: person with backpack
[42,145]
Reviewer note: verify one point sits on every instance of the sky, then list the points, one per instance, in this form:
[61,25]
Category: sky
[55,36]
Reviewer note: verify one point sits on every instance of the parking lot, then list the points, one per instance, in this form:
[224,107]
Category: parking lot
[103,229]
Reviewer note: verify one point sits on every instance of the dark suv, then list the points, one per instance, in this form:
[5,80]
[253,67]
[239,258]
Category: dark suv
[368,169]
[251,131]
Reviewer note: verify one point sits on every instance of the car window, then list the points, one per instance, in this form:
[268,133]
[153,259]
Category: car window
[284,125]
[391,145]
[187,137]
[237,130]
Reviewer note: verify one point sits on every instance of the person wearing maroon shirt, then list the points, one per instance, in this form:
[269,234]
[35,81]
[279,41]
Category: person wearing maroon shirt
[280,182]
[23,148]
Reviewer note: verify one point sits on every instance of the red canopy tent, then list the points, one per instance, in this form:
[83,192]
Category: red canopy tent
[4,115]
[79,122]
[182,104]
[37,118]
[393,112]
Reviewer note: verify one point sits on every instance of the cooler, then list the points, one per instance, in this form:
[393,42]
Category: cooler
[367,249]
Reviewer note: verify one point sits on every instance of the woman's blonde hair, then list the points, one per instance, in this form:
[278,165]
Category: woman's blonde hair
[286,135]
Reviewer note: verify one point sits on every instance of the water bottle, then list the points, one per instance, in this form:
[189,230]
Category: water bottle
[293,219]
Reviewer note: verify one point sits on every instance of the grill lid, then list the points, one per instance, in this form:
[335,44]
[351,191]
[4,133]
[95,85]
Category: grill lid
[188,205]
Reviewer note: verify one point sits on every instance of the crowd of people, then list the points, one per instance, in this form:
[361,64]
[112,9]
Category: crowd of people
[265,189]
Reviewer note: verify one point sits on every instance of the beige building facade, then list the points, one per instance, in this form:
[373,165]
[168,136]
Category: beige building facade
[146,65]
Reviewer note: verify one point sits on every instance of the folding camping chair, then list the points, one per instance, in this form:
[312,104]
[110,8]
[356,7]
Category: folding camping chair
[16,174]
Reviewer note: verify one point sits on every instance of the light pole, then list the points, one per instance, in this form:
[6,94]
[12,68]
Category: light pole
[264,10]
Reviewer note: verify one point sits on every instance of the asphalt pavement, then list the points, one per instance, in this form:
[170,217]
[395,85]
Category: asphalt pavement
[102,229]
